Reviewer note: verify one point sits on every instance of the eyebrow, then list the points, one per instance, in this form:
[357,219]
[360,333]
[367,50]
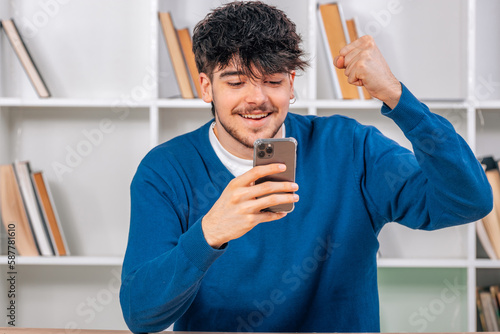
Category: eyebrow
[230,73]
[235,73]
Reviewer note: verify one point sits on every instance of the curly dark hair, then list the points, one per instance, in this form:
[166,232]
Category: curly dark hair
[254,37]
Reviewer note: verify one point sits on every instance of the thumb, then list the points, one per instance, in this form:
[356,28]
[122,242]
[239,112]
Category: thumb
[339,62]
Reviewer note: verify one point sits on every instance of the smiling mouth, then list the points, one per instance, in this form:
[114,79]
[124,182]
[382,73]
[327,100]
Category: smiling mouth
[255,116]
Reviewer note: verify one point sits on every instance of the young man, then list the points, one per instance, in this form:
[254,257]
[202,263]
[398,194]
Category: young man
[202,254]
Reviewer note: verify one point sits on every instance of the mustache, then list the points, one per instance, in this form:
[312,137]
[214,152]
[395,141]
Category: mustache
[265,107]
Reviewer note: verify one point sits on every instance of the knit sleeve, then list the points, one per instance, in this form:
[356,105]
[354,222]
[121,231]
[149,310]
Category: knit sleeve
[164,262]
[439,184]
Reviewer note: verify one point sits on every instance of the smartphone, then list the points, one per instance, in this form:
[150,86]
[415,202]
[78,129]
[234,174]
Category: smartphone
[281,150]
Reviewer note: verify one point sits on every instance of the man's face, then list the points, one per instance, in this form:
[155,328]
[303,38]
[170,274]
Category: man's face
[247,109]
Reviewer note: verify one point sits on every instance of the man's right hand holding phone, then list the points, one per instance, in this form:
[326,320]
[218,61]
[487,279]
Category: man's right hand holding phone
[238,209]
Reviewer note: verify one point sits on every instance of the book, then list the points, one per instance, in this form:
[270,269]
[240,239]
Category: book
[491,225]
[352,29]
[492,220]
[481,324]
[175,52]
[23,172]
[52,220]
[335,37]
[493,175]
[187,50]
[489,311]
[494,290]
[13,212]
[482,235]
[168,88]
[3,237]
[24,56]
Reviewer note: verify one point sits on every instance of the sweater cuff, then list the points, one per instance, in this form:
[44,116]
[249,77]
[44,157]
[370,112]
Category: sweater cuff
[196,248]
[408,112]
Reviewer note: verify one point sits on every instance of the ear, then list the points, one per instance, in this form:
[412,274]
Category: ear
[292,79]
[206,88]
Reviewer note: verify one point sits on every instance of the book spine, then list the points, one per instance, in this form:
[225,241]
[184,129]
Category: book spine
[352,28]
[28,194]
[350,91]
[489,312]
[46,201]
[14,216]
[187,50]
[56,216]
[25,58]
[335,30]
[492,220]
[174,50]
[329,57]
[485,240]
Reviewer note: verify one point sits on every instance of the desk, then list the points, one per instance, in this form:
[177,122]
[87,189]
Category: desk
[16,330]
[19,330]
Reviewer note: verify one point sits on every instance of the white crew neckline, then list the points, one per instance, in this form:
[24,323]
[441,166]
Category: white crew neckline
[234,164]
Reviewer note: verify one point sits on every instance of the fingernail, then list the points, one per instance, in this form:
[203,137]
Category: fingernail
[295,186]
[295,197]
[282,167]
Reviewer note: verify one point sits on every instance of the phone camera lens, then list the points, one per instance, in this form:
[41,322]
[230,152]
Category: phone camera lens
[269,150]
[262,146]
[261,154]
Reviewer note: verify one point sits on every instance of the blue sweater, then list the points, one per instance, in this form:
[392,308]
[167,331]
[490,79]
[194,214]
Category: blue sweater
[314,270]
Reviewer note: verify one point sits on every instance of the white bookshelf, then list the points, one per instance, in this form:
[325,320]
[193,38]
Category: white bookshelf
[104,61]
[68,103]
[66,260]
[422,263]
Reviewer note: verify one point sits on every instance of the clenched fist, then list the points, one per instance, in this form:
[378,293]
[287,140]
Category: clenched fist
[365,66]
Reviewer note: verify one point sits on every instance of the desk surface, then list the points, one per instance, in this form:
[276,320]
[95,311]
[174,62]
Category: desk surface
[17,330]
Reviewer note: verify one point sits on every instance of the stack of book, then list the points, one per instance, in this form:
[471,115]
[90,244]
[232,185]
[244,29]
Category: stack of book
[27,208]
[488,228]
[337,32]
[180,50]
[487,300]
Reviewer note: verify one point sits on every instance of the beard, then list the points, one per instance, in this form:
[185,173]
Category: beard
[233,132]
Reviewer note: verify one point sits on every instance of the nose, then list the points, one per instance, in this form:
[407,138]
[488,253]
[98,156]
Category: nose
[256,94]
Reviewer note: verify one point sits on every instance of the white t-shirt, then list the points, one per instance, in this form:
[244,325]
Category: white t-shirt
[235,165]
